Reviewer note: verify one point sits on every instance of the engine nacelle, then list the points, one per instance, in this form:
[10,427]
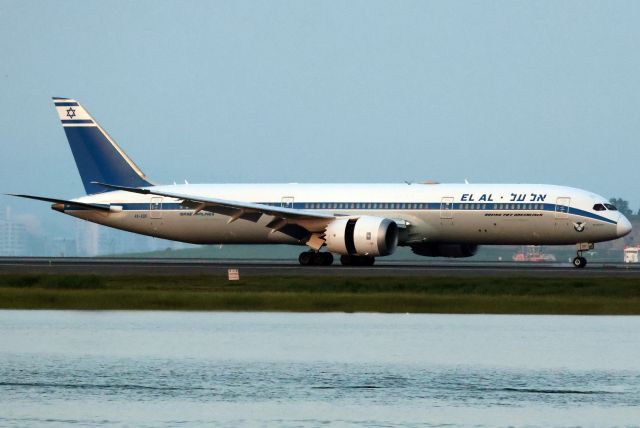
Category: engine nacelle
[362,236]
[445,250]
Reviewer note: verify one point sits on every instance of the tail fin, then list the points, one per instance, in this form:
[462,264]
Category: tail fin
[97,156]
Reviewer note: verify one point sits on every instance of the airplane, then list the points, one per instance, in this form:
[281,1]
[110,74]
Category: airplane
[358,222]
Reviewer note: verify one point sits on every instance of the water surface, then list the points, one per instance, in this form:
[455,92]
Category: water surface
[61,368]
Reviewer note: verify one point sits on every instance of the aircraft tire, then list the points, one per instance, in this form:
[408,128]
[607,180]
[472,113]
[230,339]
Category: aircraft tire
[318,259]
[579,262]
[327,259]
[346,260]
[305,258]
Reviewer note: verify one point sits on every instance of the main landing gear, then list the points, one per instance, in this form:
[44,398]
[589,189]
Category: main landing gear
[315,258]
[357,260]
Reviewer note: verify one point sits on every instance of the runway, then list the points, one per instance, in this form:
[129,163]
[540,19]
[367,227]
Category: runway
[131,266]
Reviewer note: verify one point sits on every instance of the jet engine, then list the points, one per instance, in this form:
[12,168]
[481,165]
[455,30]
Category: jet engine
[445,250]
[362,236]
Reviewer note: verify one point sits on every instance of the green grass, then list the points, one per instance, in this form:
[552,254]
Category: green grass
[613,296]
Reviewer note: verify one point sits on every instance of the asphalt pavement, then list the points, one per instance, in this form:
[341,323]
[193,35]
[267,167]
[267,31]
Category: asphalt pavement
[134,266]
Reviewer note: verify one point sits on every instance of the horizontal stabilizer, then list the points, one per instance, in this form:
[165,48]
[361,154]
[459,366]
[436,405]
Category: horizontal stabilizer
[66,203]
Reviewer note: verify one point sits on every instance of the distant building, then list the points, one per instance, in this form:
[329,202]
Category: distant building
[62,247]
[114,241]
[87,239]
[14,238]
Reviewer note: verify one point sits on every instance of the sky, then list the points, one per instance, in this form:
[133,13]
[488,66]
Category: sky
[325,91]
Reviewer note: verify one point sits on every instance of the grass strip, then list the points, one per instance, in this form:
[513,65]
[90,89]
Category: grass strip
[602,296]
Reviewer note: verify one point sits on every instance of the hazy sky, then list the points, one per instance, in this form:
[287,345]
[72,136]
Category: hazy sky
[306,91]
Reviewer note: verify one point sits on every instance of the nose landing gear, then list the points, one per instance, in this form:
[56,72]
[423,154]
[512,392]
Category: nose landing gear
[579,261]
[315,258]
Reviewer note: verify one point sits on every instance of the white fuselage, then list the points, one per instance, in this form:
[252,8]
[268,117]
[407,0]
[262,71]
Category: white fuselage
[429,213]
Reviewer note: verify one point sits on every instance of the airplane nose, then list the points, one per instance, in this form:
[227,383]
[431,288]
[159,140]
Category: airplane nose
[624,226]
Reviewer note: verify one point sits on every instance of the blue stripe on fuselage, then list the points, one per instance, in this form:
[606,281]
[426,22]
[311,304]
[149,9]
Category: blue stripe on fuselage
[399,206]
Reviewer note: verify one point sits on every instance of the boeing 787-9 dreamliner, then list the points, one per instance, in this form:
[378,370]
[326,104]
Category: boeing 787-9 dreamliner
[356,221]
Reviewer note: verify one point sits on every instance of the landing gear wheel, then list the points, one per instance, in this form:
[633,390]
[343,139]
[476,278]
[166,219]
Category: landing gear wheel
[311,258]
[305,258]
[345,260]
[579,262]
[327,259]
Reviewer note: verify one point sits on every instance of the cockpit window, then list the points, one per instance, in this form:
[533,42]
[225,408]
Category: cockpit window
[599,207]
[611,207]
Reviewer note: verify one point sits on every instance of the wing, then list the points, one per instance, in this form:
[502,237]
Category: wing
[286,220]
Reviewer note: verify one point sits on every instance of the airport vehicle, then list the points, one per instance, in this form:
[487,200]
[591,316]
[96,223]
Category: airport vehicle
[356,221]
[532,253]
[631,254]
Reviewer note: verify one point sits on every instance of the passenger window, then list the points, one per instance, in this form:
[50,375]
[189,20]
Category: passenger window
[611,207]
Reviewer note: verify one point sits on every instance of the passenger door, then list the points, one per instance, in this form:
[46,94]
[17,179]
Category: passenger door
[155,212]
[562,207]
[446,208]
